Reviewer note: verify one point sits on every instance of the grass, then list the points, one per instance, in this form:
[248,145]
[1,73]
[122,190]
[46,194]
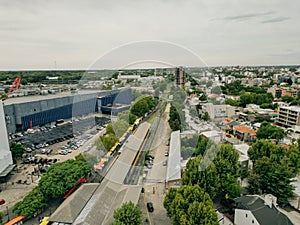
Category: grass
[152,118]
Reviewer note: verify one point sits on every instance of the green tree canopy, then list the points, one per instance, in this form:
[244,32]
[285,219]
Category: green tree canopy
[190,205]
[17,150]
[127,116]
[174,120]
[273,169]
[60,177]
[267,131]
[143,105]
[34,202]
[207,178]
[128,213]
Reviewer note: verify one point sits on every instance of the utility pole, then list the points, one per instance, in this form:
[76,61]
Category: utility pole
[8,219]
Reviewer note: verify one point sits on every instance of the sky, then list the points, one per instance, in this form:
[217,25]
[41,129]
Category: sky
[80,34]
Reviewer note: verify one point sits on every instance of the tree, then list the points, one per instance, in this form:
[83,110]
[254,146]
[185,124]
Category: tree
[60,177]
[216,90]
[232,102]
[108,141]
[120,127]
[207,178]
[33,203]
[1,217]
[128,213]
[273,169]
[17,150]
[174,120]
[206,116]
[190,205]
[203,97]
[274,179]
[287,98]
[267,131]
[143,105]
[226,163]
[86,157]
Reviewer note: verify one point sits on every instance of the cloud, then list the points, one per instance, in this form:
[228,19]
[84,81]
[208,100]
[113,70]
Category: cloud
[276,20]
[247,16]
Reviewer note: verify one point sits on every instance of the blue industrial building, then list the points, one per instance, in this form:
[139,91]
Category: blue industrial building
[22,115]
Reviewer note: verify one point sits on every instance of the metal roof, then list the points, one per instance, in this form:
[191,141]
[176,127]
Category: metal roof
[96,206]
[174,168]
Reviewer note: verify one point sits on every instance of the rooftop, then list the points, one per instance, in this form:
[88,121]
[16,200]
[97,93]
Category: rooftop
[33,98]
[292,108]
[174,168]
[264,214]
[242,148]
[95,203]
[244,129]
[212,133]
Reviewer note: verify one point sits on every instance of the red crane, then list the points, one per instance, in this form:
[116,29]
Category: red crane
[15,85]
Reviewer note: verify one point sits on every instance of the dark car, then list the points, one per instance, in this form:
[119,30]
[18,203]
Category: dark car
[2,201]
[150,207]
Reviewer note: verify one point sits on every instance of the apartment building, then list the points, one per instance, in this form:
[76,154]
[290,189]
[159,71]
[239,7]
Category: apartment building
[289,116]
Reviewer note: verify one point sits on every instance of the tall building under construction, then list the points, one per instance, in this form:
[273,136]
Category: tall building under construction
[180,77]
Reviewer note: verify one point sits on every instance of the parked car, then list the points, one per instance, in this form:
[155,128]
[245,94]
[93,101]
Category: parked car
[150,207]
[63,152]
[2,201]
[49,151]
[166,153]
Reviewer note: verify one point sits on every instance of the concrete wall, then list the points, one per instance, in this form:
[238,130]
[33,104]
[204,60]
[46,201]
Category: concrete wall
[244,217]
[5,153]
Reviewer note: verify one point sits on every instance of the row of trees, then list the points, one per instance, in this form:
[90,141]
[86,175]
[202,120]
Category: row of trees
[264,100]
[215,171]
[113,132]
[59,178]
[143,106]
[273,169]
[212,174]
[174,119]
[236,88]
[116,129]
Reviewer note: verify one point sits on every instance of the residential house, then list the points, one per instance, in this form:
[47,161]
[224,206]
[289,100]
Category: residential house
[255,210]
[244,133]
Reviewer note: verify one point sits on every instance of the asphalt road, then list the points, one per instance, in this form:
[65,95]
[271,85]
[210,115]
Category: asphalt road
[155,181]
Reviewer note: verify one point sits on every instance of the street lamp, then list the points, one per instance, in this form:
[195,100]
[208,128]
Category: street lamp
[8,219]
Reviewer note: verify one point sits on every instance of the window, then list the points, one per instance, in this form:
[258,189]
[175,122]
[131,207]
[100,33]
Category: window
[246,215]
[252,221]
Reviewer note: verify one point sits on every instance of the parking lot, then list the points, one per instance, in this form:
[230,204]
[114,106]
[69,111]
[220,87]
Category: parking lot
[29,170]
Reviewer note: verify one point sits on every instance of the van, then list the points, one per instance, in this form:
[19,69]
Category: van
[150,207]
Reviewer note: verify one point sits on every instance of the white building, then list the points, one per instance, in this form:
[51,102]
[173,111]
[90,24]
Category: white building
[295,202]
[173,177]
[6,162]
[219,112]
[289,116]
[213,135]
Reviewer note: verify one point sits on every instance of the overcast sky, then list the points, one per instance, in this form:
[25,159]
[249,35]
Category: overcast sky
[75,34]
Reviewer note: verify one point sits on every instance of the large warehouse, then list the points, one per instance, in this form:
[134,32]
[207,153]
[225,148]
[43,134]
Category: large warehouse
[30,111]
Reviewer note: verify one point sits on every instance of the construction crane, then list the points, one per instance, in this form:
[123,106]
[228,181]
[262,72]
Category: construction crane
[15,85]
